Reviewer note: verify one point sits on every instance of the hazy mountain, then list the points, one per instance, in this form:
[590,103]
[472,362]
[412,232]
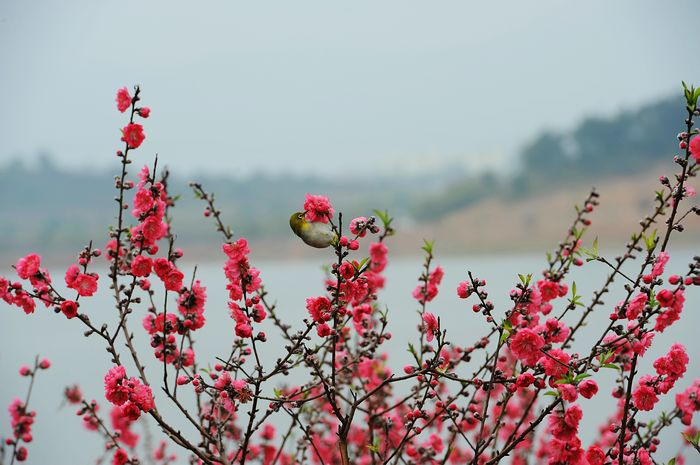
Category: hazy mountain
[58,209]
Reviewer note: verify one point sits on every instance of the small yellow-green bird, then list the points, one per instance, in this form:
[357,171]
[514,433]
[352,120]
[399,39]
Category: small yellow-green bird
[315,234]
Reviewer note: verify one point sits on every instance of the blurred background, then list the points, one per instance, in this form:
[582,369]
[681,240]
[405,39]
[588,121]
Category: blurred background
[477,125]
[457,118]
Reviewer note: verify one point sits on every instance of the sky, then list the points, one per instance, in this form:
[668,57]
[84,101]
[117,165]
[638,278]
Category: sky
[328,88]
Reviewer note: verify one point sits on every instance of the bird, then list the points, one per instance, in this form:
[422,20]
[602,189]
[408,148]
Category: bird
[316,234]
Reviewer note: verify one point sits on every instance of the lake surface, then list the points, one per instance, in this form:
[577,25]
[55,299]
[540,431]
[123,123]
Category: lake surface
[60,438]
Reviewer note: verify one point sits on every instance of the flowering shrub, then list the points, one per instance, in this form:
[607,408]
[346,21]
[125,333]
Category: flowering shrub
[520,405]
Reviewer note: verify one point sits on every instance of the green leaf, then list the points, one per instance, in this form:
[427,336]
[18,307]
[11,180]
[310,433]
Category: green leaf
[650,241]
[672,461]
[359,266]
[581,376]
[552,393]
[278,393]
[610,365]
[525,279]
[428,246]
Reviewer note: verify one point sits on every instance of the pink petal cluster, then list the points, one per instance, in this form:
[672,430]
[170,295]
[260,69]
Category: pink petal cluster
[123,99]
[318,208]
[636,306]
[130,394]
[243,280]
[430,325]
[526,345]
[169,274]
[133,135]
[149,205]
[84,283]
[190,303]
[429,290]
[673,302]
[659,264]
[695,148]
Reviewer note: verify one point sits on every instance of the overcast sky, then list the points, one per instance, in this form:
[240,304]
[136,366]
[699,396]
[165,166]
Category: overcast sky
[329,87]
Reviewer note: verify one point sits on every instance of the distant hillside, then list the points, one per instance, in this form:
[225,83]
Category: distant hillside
[597,148]
[536,223]
[56,210]
[60,209]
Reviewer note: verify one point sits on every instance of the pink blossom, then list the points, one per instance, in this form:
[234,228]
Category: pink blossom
[665,297]
[237,251]
[377,254]
[69,308]
[464,289]
[595,456]
[244,330]
[319,308]
[644,397]
[525,379]
[114,391]
[674,363]
[268,432]
[636,306]
[568,392]
[526,345]
[695,148]
[28,266]
[548,290]
[323,330]
[121,422]
[85,284]
[141,266]
[555,363]
[588,388]
[173,280]
[318,208]
[565,427]
[659,264]
[555,331]
[688,401]
[123,100]
[120,457]
[133,135]
[357,226]
[430,325]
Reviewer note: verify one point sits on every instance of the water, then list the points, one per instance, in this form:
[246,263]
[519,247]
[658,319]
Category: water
[60,439]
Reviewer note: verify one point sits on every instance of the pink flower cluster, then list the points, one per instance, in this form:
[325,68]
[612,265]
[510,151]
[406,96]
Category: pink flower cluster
[132,133]
[431,327]
[243,281]
[150,202]
[130,394]
[318,208]
[319,309]
[669,369]
[191,306]
[695,148]
[673,302]
[429,289]
[21,418]
[688,402]
[84,283]
[231,390]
